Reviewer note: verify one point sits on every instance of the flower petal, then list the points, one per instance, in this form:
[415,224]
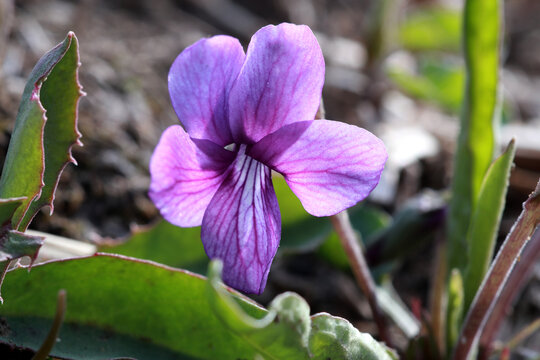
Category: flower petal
[329,165]
[199,82]
[280,83]
[242,225]
[185,176]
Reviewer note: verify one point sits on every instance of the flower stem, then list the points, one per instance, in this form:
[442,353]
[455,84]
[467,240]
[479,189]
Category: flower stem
[349,240]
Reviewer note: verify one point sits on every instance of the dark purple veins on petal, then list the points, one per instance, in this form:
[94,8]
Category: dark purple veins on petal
[185,174]
[329,165]
[242,224]
[280,82]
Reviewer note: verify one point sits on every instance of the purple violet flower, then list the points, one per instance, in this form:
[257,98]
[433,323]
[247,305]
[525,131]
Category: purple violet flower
[245,115]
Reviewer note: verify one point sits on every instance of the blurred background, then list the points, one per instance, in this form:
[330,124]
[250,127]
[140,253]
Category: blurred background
[392,66]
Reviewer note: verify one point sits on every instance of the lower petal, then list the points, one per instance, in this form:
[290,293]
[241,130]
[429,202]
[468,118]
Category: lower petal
[329,165]
[185,175]
[242,225]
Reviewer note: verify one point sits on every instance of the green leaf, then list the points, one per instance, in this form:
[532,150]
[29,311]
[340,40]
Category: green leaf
[32,147]
[485,223]
[281,334]
[287,331]
[332,337]
[300,230]
[8,207]
[438,82]
[167,244]
[124,307]
[433,28]
[60,94]
[480,116]
[15,245]
[369,221]
[332,251]
[119,307]
[413,226]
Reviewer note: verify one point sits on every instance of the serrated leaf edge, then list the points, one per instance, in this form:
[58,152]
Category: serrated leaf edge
[26,219]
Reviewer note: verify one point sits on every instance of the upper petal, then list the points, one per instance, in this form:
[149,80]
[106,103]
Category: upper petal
[242,225]
[199,82]
[329,165]
[280,82]
[185,175]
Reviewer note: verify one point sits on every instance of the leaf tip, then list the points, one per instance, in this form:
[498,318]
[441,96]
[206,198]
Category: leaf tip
[512,143]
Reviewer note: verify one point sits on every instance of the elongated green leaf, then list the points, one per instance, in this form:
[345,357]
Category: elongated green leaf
[482,36]
[485,223]
[24,167]
[287,331]
[432,28]
[493,284]
[59,95]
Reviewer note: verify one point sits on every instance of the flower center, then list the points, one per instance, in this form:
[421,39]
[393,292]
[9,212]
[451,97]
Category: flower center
[231,147]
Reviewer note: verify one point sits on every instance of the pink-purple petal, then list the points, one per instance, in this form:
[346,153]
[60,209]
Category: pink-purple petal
[185,174]
[280,82]
[329,165]
[199,83]
[242,225]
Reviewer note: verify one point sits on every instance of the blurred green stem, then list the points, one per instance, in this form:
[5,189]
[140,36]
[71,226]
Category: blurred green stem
[382,30]
[50,341]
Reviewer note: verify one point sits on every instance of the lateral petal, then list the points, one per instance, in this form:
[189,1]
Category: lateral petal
[242,225]
[185,174]
[280,82]
[329,165]
[199,82]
